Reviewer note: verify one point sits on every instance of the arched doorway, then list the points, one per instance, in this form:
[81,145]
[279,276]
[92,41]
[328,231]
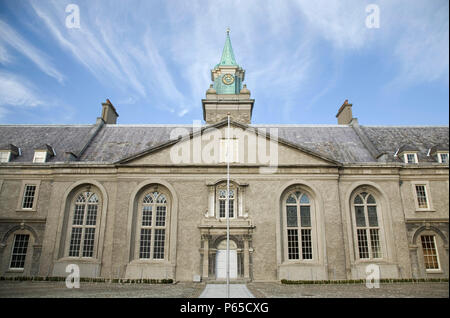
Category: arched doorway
[221,260]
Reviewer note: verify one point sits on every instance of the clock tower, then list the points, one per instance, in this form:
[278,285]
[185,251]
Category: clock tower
[227,94]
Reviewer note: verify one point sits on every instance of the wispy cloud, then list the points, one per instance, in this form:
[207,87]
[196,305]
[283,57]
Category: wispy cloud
[8,36]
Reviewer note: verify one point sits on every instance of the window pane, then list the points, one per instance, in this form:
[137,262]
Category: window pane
[306,244]
[145,241]
[160,237]
[291,215]
[410,158]
[305,216]
[148,198]
[88,243]
[78,214]
[421,196]
[373,218]
[222,208]
[371,199]
[91,217]
[28,196]
[291,199]
[161,199]
[19,252]
[362,244]
[444,157]
[293,244]
[75,242]
[429,252]
[375,243]
[304,199]
[358,200]
[160,216]
[231,208]
[147,215]
[360,218]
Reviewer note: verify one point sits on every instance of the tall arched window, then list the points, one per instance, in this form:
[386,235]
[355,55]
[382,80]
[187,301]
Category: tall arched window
[298,226]
[222,200]
[83,224]
[367,226]
[153,219]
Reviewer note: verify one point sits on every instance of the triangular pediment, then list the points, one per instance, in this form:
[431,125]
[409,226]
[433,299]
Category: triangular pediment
[207,146]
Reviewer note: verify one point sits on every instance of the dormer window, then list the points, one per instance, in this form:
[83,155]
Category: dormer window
[410,157]
[42,153]
[442,157]
[4,156]
[8,152]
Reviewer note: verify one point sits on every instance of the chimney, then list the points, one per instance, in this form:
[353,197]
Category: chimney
[109,114]
[344,114]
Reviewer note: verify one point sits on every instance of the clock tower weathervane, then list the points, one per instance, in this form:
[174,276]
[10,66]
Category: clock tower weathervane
[227,94]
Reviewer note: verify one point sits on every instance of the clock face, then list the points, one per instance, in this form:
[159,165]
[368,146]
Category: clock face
[228,79]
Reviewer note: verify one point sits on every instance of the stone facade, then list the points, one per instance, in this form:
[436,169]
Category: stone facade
[120,202]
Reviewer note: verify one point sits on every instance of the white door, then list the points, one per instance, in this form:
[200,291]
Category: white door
[221,264]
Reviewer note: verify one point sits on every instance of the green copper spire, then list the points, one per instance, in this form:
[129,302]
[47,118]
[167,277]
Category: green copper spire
[227,53]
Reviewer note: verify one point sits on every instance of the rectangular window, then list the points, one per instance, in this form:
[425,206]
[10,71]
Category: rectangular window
[411,158]
[75,242]
[222,205]
[158,250]
[375,243]
[88,243]
[4,156]
[429,252]
[19,252]
[145,247]
[28,196]
[362,243]
[443,157]
[160,216]
[306,244]
[421,193]
[293,252]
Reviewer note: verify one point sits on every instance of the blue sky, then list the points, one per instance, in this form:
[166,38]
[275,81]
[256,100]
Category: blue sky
[152,59]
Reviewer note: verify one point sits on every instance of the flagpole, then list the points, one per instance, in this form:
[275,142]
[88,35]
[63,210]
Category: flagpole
[227,207]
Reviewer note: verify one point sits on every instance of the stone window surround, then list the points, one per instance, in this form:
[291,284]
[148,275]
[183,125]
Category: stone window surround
[426,185]
[314,240]
[240,208]
[37,183]
[381,225]
[439,153]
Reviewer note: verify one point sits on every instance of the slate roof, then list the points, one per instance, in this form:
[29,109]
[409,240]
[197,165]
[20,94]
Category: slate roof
[390,139]
[115,142]
[61,137]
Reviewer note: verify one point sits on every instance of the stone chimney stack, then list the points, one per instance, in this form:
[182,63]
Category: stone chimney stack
[344,114]
[109,114]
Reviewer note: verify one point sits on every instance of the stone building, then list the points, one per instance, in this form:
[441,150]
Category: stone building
[307,202]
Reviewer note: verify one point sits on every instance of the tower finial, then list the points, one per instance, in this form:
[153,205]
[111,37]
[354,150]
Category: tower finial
[228,31]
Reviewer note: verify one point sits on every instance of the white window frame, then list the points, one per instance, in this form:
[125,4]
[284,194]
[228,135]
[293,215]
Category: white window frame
[405,157]
[235,189]
[439,155]
[83,226]
[19,269]
[313,235]
[431,270]
[367,227]
[40,156]
[3,158]
[20,202]
[426,186]
[153,227]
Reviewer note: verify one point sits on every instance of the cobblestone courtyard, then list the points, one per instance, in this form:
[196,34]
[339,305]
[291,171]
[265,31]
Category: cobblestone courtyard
[191,290]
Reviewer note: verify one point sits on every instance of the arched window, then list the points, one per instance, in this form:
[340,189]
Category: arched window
[153,219]
[83,225]
[367,225]
[298,226]
[222,200]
